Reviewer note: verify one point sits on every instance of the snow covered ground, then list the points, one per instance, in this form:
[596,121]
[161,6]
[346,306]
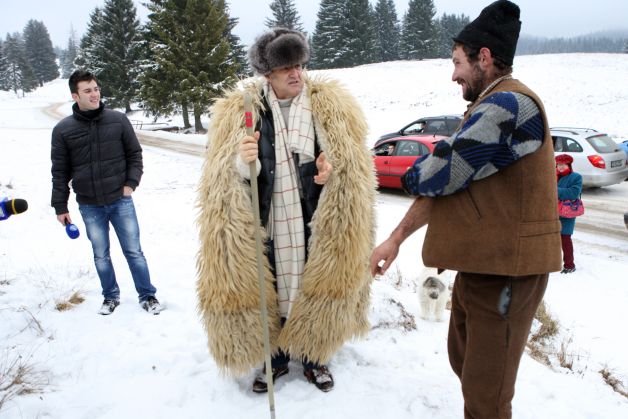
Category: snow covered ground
[132,364]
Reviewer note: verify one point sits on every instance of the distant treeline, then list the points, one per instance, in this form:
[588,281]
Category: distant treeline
[185,55]
[600,42]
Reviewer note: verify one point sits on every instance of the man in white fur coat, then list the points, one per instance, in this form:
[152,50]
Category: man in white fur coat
[316,194]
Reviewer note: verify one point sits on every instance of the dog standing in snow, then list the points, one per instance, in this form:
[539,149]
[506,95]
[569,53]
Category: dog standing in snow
[433,296]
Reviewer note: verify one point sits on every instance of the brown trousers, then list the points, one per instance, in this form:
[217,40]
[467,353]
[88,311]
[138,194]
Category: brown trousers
[490,321]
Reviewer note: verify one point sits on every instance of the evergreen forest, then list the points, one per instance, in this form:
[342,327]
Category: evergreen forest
[186,53]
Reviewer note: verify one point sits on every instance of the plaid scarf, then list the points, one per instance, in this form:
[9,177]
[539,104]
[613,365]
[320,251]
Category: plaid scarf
[286,218]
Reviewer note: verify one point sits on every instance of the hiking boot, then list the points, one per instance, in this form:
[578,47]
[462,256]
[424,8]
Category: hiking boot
[320,377]
[260,385]
[108,306]
[151,304]
[568,270]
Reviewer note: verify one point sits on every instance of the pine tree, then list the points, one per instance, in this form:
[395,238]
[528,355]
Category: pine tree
[69,56]
[326,42]
[19,73]
[388,30]
[209,70]
[90,53]
[192,44]
[237,52]
[626,47]
[160,91]
[285,15]
[419,36]
[4,69]
[39,51]
[358,31]
[120,53]
[448,27]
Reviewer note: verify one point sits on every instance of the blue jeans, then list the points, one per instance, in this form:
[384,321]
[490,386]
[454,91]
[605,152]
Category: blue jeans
[121,215]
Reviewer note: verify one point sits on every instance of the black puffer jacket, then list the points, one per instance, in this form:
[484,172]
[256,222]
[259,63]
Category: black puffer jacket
[99,152]
[310,191]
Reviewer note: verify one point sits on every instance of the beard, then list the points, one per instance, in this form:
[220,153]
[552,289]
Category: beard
[475,84]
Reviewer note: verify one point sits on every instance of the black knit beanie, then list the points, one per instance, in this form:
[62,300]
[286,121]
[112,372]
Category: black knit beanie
[497,28]
[279,47]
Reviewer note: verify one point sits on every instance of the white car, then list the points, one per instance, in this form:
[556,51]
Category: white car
[596,156]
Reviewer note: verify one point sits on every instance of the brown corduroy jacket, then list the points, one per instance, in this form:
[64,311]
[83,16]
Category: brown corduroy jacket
[504,224]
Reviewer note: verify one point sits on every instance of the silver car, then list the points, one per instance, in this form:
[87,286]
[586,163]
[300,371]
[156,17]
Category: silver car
[596,156]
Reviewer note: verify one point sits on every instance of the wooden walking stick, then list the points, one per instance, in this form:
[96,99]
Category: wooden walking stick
[248,117]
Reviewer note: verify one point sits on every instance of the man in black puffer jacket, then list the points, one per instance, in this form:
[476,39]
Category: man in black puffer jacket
[96,149]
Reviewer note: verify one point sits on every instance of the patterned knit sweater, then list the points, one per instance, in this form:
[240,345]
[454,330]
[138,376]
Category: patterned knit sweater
[505,127]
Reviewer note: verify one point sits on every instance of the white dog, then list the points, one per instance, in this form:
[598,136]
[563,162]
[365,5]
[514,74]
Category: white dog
[433,296]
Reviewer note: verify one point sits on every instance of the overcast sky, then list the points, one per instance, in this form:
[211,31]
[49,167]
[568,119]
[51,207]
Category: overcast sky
[551,18]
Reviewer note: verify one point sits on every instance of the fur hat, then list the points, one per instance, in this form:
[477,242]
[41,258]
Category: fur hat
[279,47]
[497,28]
[564,159]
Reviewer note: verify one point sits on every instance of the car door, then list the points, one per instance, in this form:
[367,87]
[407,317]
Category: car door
[406,153]
[570,146]
[381,160]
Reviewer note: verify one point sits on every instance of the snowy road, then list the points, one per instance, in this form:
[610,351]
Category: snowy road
[604,211]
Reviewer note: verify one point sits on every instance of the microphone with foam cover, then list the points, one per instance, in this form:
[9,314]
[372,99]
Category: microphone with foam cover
[72,230]
[9,207]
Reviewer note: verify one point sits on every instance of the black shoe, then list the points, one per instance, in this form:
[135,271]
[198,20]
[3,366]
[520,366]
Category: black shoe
[260,385]
[568,270]
[151,304]
[320,377]
[108,306]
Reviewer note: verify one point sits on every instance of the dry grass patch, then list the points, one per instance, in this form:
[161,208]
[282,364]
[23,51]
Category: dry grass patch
[565,356]
[404,321]
[18,377]
[75,299]
[539,342]
[615,383]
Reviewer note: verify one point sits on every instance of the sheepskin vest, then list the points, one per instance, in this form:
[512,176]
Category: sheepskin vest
[504,224]
[334,298]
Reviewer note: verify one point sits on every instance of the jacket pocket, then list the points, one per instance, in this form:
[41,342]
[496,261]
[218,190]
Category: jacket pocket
[538,228]
[467,208]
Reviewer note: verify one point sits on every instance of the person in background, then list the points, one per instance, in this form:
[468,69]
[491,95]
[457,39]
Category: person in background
[488,197]
[96,149]
[316,190]
[569,187]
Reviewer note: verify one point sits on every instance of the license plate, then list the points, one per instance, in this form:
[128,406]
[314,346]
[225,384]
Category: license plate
[616,163]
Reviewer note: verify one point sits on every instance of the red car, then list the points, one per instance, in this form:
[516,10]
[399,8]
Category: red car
[393,157]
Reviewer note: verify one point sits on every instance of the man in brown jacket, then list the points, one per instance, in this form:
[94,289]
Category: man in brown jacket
[489,199]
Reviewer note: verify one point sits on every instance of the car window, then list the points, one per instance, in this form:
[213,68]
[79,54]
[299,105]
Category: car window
[602,143]
[565,144]
[415,128]
[452,125]
[559,143]
[434,127]
[386,149]
[408,148]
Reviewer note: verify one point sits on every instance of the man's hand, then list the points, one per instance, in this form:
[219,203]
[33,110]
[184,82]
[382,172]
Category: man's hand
[416,217]
[127,191]
[386,252]
[248,148]
[324,170]
[64,218]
